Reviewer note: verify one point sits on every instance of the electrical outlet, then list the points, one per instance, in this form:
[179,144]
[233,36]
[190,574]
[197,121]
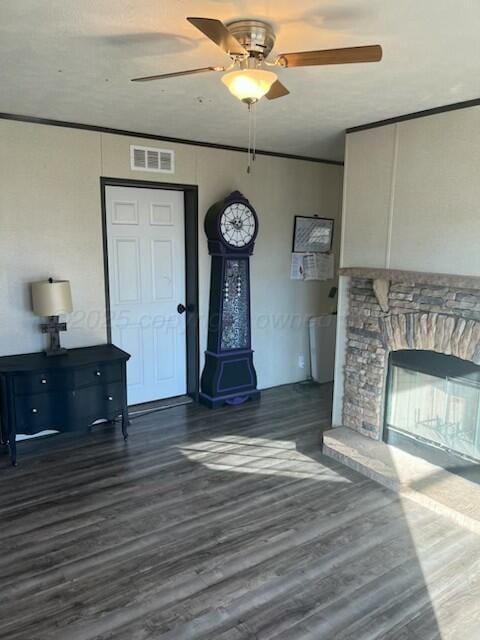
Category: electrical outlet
[301,362]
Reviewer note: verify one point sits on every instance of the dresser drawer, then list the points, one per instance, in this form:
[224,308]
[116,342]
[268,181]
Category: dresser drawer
[102,401]
[36,412]
[41,381]
[98,374]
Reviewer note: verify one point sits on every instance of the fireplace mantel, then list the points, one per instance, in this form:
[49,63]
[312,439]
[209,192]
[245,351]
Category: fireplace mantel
[413,277]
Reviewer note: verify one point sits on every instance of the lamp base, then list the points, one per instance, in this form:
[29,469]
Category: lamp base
[53,328]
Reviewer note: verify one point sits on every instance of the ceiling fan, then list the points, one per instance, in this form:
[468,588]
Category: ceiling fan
[249,43]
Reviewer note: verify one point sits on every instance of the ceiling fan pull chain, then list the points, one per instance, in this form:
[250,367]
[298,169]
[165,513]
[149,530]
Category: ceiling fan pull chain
[254,143]
[249,152]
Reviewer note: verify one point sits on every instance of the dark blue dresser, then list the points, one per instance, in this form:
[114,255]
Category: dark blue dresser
[64,393]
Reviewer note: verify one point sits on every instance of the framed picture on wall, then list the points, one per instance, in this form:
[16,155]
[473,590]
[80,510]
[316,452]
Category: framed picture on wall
[312,234]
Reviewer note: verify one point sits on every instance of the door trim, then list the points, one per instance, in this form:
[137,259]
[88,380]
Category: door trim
[190,195]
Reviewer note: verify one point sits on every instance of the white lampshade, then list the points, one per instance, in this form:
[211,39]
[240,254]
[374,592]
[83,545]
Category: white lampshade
[51,298]
[249,85]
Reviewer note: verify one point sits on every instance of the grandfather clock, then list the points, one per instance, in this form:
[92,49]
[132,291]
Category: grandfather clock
[229,376]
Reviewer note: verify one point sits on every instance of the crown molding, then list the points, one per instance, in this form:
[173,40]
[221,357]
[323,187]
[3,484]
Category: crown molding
[151,136]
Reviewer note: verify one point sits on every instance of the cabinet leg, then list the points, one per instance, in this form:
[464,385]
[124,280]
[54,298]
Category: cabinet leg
[12,443]
[125,423]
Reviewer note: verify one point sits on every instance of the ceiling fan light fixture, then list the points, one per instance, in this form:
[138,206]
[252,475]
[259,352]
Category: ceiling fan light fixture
[249,85]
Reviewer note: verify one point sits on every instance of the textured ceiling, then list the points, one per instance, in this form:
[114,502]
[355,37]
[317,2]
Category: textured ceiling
[72,60]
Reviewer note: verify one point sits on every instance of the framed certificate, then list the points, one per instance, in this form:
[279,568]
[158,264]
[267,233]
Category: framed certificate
[312,234]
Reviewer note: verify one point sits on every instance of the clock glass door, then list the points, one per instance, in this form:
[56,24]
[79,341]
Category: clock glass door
[235,313]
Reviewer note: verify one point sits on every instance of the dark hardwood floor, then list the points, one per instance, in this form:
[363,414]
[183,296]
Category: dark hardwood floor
[223,525]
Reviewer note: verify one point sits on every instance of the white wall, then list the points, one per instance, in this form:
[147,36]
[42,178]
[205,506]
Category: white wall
[412,195]
[50,221]
[411,200]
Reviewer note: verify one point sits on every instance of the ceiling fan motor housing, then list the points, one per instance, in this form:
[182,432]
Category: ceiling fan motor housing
[255,36]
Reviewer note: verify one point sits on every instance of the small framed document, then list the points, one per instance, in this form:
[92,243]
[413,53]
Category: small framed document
[312,234]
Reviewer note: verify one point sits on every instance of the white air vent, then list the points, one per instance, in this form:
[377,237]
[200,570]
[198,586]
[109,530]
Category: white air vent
[152,159]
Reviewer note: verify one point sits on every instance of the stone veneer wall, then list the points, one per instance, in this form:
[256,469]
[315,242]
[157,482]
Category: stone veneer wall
[430,317]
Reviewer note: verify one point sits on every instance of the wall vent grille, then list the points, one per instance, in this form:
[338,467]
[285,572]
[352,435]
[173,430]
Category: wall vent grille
[152,159]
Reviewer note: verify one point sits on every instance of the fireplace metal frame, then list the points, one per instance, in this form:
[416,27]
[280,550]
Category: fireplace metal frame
[430,451]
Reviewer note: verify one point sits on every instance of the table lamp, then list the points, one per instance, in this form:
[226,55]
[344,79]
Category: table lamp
[52,298]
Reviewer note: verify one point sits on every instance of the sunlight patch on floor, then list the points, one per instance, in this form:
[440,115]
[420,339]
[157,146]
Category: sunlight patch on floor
[439,579]
[258,456]
[447,570]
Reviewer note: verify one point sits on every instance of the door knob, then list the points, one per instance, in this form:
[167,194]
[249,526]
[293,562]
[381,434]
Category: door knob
[181,308]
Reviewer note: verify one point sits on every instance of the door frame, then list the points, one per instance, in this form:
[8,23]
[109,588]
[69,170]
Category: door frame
[190,196]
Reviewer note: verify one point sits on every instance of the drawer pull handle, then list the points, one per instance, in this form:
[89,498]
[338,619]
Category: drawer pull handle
[34,410]
[110,397]
[98,373]
[44,381]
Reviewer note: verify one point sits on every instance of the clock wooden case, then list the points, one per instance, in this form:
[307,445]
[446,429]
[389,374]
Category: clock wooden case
[229,375]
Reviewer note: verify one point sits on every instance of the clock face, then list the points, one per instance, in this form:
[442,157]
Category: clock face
[237,225]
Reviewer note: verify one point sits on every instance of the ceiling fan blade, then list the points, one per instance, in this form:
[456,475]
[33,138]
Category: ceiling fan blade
[177,74]
[219,34]
[348,55]
[277,90]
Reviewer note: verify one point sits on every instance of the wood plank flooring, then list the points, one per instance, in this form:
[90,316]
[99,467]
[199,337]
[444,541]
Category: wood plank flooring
[223,525]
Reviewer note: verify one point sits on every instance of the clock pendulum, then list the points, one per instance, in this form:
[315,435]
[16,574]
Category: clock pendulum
[229,376]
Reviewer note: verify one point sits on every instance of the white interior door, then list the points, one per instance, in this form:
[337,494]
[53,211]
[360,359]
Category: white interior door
[146,265]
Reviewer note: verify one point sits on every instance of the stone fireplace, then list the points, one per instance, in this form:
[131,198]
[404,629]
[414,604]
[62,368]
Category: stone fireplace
[393,311]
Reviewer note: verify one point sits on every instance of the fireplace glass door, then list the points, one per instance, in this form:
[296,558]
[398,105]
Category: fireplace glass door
[434,399]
